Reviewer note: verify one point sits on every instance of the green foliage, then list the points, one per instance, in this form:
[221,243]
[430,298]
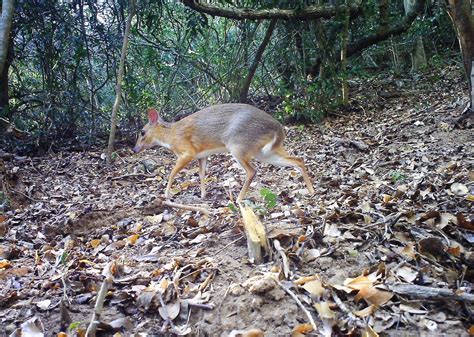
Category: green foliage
[397,176]
[62,87]
[232,207]
[74,326]
[269,197]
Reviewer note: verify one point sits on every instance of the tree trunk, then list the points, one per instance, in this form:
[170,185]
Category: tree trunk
[6,49]
[418,56]
[6,19]
[4,80]
[118,87]
[345,37]
[463,20]
[258,56]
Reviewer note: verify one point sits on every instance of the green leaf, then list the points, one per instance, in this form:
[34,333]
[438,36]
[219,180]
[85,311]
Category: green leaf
[232,207]
[74,325]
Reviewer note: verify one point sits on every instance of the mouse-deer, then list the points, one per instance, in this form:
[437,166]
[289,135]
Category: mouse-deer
[241,129]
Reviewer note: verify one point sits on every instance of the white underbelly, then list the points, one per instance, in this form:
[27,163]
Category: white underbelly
[207,153]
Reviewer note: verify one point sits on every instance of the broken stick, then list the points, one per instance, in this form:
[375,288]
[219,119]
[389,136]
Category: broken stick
[430,293]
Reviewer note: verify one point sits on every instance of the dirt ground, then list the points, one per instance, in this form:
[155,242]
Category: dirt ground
[394,197]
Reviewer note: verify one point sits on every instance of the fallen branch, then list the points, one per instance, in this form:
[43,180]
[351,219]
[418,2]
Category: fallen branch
[358,145]
[99,304]
[430,293]
[298,302]
[134,175]
[161,202]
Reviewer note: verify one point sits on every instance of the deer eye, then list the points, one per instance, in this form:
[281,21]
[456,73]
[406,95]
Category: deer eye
[142,133]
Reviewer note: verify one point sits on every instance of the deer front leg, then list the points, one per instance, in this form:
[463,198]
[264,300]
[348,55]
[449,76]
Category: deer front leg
[180,164]
[202,175]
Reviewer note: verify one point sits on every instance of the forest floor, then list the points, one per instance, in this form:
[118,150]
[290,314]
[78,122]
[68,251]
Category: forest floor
[391,219]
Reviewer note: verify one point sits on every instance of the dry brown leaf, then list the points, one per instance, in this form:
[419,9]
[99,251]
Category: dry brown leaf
[431,246]
[301,329]
[247,333]
[132,239]
[464,223]
[361,281]
[455,251]
[304,279]
[409,251]
[5,264]
[380,297]
[366,311]
[471,330]
[95,243]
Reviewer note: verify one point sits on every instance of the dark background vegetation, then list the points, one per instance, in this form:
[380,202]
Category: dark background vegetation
[64,57]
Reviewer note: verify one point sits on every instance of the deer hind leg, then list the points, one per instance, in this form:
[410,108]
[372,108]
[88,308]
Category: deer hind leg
[180,164]
[280,157]
[202,175]
[243,159]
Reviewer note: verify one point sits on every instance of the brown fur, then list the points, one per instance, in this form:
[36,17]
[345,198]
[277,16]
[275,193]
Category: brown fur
[240,129]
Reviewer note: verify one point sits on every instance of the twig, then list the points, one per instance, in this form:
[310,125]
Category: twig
[161,202]
[286,265]
[293,295]
[99,304]
[230,244]
[132,175]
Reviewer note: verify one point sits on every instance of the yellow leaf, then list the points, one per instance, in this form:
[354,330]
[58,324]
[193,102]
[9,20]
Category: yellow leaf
[95,243]
[358,283]
[305,279]
[386,198]
[132,239]
[5,264]
[164,283]
[314,287]
[324,311]
[470,197]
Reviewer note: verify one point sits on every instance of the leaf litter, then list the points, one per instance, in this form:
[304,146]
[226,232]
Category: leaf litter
[383,247]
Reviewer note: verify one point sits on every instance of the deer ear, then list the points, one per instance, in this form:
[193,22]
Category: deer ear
[153,116]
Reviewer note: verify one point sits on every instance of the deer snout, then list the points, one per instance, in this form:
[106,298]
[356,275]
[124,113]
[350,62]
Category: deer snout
[137,148]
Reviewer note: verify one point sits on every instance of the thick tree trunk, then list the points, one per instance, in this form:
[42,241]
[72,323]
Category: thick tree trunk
[4,78]
[118,87]
[6,49]
[258,56]
[463,19]
[5,27]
